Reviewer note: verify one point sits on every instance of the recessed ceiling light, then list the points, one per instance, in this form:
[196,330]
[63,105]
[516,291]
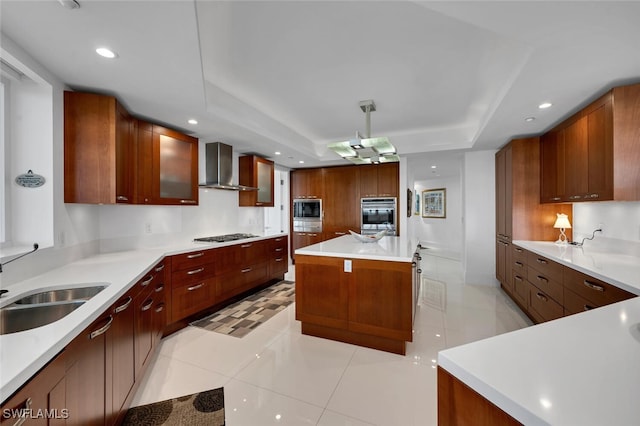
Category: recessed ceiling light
[433,167]
[106,53]
[192,121]
[301,161]
[529,119]
[277,152]
[545,105]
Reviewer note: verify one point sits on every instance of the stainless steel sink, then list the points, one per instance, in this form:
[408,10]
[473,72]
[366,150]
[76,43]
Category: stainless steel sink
[14,318]
[63,295]
[45,307]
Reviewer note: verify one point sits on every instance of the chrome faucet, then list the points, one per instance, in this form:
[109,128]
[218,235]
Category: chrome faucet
[593,234]
[35,247]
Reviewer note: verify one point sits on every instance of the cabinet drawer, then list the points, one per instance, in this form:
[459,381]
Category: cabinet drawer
[574,304]
[592,289]
[521,288]
[188,300]
[542,306]
[519,254]
[519,266]
[237,281]
[190,276]
[192,259]
[546,283]
[548,268]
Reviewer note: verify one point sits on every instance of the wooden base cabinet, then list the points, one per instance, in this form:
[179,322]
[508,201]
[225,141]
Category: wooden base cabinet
[370,306]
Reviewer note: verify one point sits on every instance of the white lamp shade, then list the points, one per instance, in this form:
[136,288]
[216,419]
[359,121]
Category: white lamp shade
[562,221]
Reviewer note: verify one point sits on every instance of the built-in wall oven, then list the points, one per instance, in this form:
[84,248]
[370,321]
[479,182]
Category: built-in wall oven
[378,214]
[307,215]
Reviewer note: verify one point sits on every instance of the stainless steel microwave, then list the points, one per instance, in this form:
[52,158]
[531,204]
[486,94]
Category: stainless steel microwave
[307,215]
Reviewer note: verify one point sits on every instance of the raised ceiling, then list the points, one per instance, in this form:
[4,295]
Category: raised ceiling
[287,76]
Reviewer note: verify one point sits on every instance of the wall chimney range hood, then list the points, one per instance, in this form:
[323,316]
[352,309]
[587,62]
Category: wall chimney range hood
[219,168]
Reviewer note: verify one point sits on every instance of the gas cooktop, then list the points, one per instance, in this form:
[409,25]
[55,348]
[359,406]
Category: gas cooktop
[224,238]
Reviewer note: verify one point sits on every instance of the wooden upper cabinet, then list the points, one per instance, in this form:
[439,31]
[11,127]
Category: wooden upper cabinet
[256,172]
[379,180]
[551,167]
[597,151]
[98,150]
[167,166]
[306,183]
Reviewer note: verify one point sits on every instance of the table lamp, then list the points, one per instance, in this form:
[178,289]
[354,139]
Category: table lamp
[562,223]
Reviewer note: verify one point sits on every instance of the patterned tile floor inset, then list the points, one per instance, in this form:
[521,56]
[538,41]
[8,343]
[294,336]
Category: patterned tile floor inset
[242,317]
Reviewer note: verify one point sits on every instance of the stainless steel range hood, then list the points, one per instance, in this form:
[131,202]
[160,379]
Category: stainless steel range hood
[219,168]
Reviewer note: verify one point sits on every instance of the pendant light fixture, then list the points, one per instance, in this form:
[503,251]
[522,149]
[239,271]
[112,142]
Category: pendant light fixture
[366,150]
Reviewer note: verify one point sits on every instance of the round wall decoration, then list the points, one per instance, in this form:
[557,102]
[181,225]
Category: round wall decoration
[30,180]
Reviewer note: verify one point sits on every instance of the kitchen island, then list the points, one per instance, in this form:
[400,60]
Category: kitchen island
[581,369]
[359,293]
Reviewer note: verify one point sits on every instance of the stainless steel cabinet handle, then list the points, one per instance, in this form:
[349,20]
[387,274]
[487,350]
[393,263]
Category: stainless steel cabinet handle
[102,329]
[159,288]
[195,271]
[160,308]
[160,268]
[279,259]
[147,306]
[246,270]
[147,281]
[593,196]
[519,264]
[187,201]
[588,307]
[341,233]
[593,286]
[543,279]
[517,278]
[419,271]
[542,261]
[246,245]
[25,413]
[195,287]
[278,239]
[124,306]
[556,199]
[542,297]
[519,250]
[196,255]
[575,197]
[279,249]
[122,198]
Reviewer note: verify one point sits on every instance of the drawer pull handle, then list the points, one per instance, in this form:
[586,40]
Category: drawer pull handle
[196,255]
[147,281]
[542,297]
[593,286]
[195,271]
[102,329]
[542,261]
[24,412]
[543,279]
[124,306]
[246,270]
[187,201]
[159,288]
[122,198]
[279,249]
[160,308]
[246,245]
[517,278]
[195,287]
[519,250]
[279,259]
[278,240]
[147,306]
[519,264]
[160,268]
[588,307]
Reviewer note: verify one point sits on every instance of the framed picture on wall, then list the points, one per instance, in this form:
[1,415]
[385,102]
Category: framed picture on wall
[409,202]
[434,203]
[416,208]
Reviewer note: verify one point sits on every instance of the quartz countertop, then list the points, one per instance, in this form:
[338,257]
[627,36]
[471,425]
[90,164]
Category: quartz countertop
[23,354]
[389,248]
[578,370]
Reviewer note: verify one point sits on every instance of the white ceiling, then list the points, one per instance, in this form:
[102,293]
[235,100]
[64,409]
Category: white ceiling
[287,76]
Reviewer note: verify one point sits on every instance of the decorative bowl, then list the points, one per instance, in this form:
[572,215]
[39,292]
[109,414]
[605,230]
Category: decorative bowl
[368,238]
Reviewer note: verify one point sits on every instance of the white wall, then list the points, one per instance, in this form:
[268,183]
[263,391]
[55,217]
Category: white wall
[479,217]
[620,222]
[446,233]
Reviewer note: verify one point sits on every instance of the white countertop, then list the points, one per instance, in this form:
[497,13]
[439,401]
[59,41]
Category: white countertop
[394,249]
[619,269]
[23,354]
[583,369]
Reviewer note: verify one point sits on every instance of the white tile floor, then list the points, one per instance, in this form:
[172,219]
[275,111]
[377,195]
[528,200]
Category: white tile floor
[276,375]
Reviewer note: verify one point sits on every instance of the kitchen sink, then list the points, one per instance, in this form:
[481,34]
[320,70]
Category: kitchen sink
[62,295]
[44,307]
[14,318]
